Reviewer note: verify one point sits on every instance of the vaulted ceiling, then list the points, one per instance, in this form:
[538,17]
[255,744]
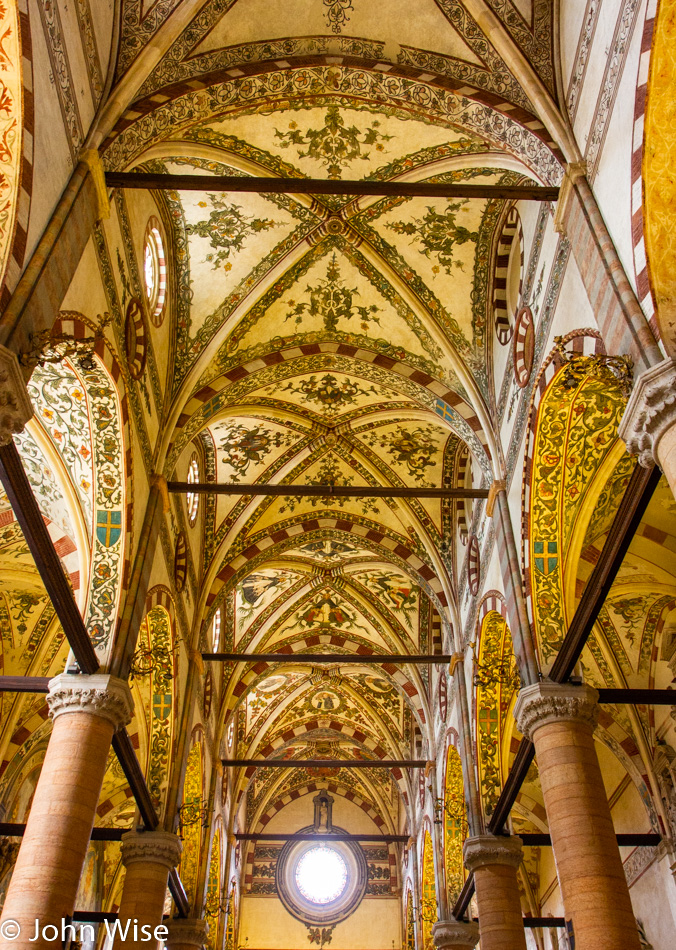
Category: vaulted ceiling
[333,340]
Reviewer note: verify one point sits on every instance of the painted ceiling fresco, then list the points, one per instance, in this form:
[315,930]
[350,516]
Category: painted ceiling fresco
[333,342]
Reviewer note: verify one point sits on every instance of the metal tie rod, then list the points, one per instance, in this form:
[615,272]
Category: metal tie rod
[325,763]
[323,186]
[299,836]
[338,658]
[321,491]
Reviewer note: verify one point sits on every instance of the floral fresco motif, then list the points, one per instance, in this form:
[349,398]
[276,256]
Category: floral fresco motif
[155,635]
[395,591]
[439,234]
[328,550]
[227,229]
[415,448]
[577,431]
[258,590]
[336,13]
[331,300]
[79,409]
[328,474]
[326,611]
[242,447]
[494,694]
[328,392]
[335,145]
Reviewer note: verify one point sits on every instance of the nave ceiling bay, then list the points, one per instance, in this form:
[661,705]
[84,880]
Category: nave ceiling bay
[340,341]
[403,282]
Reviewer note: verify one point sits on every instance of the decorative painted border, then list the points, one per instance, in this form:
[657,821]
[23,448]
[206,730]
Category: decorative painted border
[587,342]
[643,288]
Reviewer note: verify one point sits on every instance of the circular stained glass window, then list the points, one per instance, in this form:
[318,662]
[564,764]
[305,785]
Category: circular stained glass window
[321,875]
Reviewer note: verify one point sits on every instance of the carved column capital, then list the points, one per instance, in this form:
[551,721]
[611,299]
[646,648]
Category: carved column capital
[488,850]
[15,405]
[151,847]
[650,412]
[460,934]
[188,931]
[547,702]
[99,695]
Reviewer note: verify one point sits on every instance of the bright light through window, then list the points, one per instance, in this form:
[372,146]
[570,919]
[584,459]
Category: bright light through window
[192,497]
[216,631]
[321,875]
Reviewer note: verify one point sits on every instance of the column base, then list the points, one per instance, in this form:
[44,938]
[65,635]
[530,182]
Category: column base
[460,934]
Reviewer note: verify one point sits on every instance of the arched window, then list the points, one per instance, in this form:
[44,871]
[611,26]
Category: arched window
[192,497]
[216,631]
[155,272]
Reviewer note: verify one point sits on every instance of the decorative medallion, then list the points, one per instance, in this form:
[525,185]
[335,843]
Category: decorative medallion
[180,562]
[523,346]
[473,565]
[135,338]
[208,693]
[443,698]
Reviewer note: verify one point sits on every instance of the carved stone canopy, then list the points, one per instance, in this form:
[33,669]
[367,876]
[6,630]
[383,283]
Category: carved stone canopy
[487,850]
[459,934]
[548,702]
[15,405]
[189,932]
[99,695]
[650,412]
[151,847]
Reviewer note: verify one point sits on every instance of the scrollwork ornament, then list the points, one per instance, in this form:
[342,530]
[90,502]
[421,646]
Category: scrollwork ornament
[99,695]
[547,702]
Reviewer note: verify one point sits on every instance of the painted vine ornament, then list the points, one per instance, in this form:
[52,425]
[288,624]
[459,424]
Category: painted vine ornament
[227,230]
[438,234]
[336,145]
[332,301]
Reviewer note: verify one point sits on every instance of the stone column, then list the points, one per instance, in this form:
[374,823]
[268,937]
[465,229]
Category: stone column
[148,857]
[648,426]
[86,711]
[494,862]
[560,720]
[189,933]
[458,934]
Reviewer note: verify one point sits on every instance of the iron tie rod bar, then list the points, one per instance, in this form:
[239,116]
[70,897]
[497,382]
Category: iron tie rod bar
[322,186]
[299,836]
[321,491]
[325,763]
[338,658]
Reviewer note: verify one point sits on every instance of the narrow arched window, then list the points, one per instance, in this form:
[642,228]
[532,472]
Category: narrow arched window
[155,272]
[192,497]
[216,631]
